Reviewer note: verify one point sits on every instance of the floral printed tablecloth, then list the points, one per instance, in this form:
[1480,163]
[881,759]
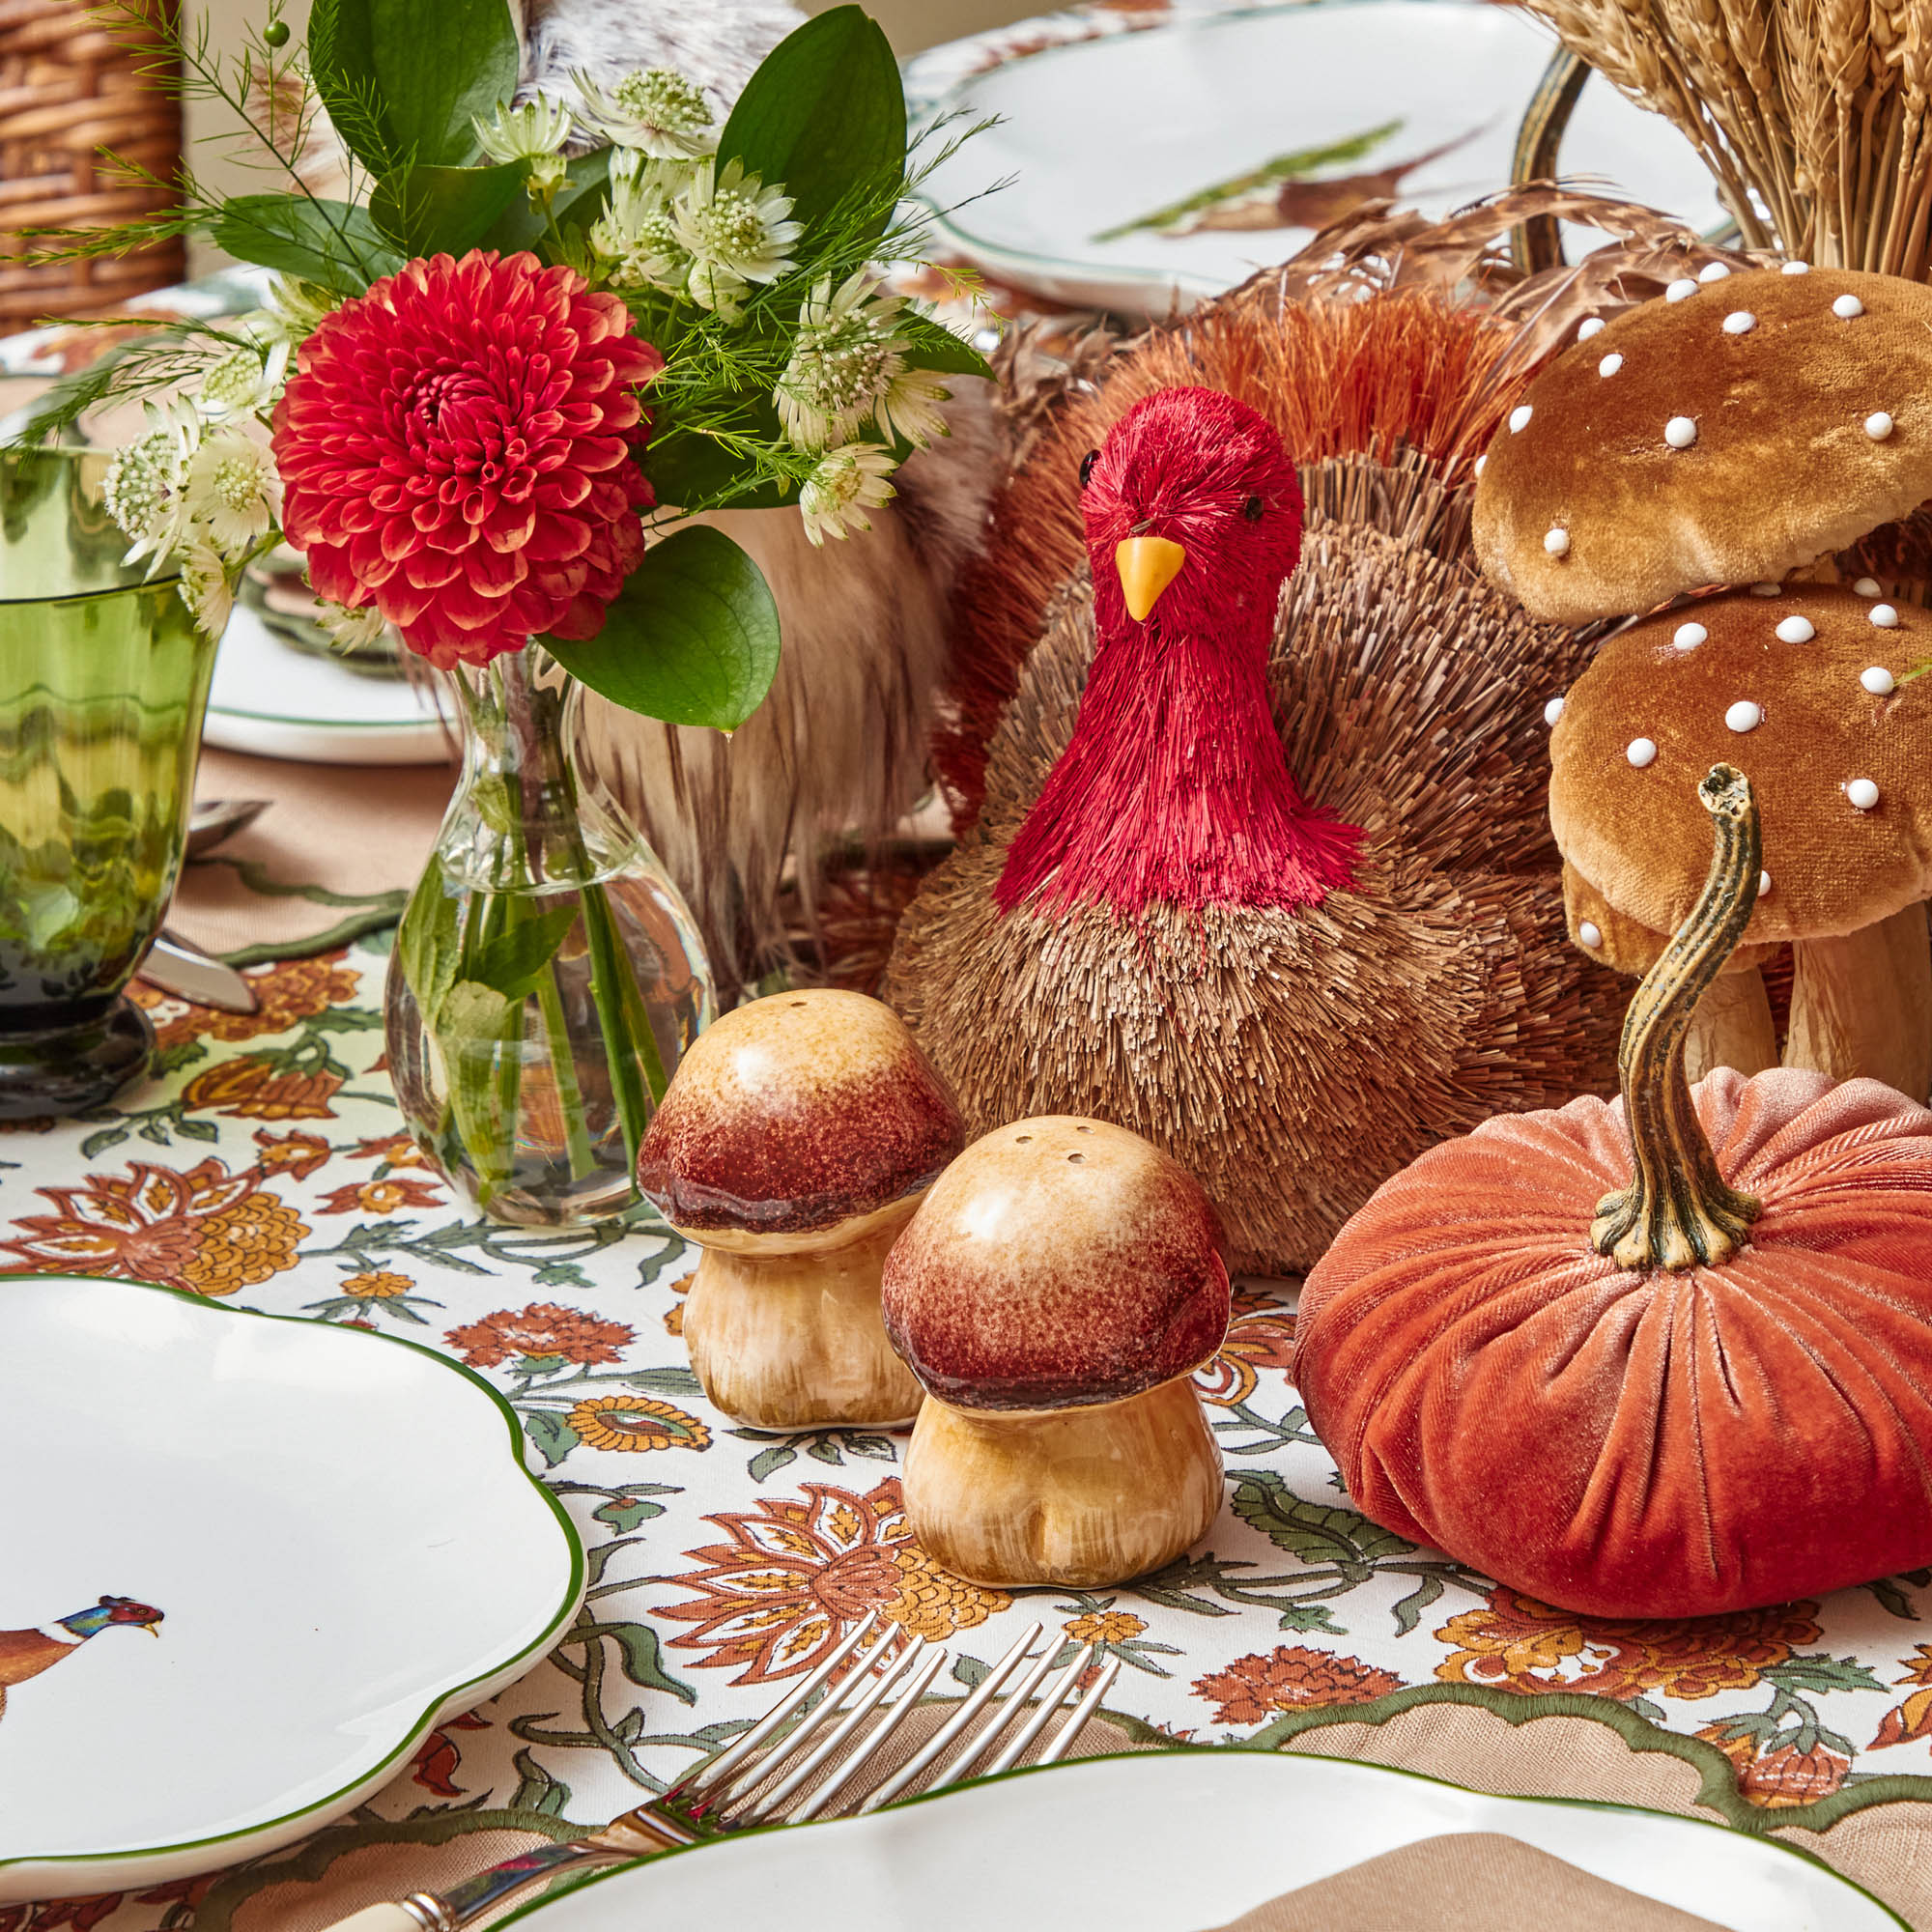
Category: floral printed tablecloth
[264,1164]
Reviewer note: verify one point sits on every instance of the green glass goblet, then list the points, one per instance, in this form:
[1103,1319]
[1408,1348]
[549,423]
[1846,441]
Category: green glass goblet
[103,680]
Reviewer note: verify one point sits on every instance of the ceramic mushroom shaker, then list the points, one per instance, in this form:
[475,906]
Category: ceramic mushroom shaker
[796,1139]
[1801,691]
[1055,1293]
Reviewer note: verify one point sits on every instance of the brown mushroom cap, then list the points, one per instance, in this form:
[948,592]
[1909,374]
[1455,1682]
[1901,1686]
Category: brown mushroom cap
[1637,832]
[1617,941]
[1782,469]
[1056,1262]
[795,1113]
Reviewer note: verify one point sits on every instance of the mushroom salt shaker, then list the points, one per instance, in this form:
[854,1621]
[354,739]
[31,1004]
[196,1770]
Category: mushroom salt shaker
[1055,1293]
[796,1139]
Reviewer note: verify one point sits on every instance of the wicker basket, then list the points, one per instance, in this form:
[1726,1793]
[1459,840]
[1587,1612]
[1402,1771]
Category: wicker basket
[68,88]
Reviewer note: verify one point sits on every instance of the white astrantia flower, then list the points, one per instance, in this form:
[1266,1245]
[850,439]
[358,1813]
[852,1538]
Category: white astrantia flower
[144,486]
[635,234]
[653,109]
[350,629]
[205,588]
[531,132]
[243,382]
[234,493]
[847,363]
[736,230]
[294,308]
[846,483]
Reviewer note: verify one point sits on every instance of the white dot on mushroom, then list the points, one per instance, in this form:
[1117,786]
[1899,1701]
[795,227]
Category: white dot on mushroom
[1796,268]
[1862,794]
[1796,630]
[1882,616]
[1552,711]
[1767,589]
[1739,321]
[1557,541]
[1641,751]
[1877,680]
[1519,418]
[1679,432]
[1745,716]
[1609,365]
[1480,461]
[1878,425]
[1846,307]
[1763,884]
[1589,932]
[1591,324]
[1866,586]
[1714,271]
[1689,636]
[1678,290]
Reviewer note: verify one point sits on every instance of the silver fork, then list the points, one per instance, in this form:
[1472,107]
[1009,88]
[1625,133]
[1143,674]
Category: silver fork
[735,1790]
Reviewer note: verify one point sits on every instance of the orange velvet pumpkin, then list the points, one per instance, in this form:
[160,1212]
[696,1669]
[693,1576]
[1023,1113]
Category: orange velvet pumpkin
[1730,1405]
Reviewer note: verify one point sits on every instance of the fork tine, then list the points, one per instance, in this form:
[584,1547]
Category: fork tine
[896,1714]
[763,1807]
[1076,1719]
[1003,1713]
[943,1738]
[1050,1700]
[705,1775]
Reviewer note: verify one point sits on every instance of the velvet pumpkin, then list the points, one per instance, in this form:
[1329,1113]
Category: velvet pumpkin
[1709,1388]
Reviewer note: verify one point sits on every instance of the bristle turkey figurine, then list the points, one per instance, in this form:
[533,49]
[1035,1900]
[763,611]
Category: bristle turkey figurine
[1281,899]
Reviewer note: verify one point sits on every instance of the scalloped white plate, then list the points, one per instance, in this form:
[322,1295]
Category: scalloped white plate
[1174,1842]
[338,1528]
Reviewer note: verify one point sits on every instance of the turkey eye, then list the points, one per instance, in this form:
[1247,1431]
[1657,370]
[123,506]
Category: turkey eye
[1087,464]
[1254,509]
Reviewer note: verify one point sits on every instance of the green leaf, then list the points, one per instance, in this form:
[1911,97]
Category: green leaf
[642,1659]
[697,472]
[692,637]
[325,242]
[1308,1617]
[625,1513]
[931,345]
[769,1461]
[514,960]
[678,1381]
[1408,1612]
[197,1131]
[426,943]
[554,1437]
[431,210]
[403,81]
[1822,1674]
[537,1790]
[1314,1531]
[824,117]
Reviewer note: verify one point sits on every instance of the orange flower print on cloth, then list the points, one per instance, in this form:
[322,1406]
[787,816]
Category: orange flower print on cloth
[379,1197]
[1290,1677]
[205,1230]
[392,1150]
[542,1330]
[297,1154]
[1782,1774]
[799,1573]
[252,1088]
[635,1422]
[287,992]
[1520,1644]
[381,1286]
[1907,1723]
[1260,1336]
[1104,1627]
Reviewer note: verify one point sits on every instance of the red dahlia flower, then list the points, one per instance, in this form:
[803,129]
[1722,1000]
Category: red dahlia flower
[458,449]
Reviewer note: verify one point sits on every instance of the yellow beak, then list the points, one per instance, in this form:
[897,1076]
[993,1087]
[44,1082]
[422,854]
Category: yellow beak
[1147,565]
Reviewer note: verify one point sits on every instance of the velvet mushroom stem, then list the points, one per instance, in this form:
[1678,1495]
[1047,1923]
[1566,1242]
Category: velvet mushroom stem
[795,1141]
[1054,1294]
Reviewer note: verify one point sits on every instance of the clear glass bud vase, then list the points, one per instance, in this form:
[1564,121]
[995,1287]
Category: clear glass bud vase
[547,976]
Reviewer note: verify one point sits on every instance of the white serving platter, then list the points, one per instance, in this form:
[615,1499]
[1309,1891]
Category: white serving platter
[1102,131]
[277,702]
[1176,1842]
[340,1535]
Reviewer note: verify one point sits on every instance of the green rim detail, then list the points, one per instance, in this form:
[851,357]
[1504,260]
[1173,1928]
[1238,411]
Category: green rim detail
[537,1905]
[445,1702]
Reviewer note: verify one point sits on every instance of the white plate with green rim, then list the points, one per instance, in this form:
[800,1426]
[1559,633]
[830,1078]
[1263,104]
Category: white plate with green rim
[278,702]
[331,1533]
[1175,1842]
[1103,131]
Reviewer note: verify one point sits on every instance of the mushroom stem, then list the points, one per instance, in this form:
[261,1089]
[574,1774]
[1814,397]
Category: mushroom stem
[1732,1027]
[1074,1497]
[1861,1004]
[1678,1211]
[796,1340]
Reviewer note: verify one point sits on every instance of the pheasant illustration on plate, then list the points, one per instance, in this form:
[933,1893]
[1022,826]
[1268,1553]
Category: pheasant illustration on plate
[26,1652]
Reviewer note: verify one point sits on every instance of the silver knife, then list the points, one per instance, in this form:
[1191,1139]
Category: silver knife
[187,971]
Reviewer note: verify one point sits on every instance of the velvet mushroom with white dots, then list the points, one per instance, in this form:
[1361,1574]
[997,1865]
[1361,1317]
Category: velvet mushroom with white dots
[794,1142]
[1735,430]
[1055,1293]
[1813,694]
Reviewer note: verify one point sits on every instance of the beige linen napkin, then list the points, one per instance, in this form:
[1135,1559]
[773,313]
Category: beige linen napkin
[333,857]
[1466,1882]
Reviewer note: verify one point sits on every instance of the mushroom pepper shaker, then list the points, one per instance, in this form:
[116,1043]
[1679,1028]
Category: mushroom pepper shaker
[1055,1293]
[793,1144]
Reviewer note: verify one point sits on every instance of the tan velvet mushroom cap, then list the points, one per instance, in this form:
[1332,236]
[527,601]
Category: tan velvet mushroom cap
[1739,434]
[1635,839]
[1056,1262]
[794,1115]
